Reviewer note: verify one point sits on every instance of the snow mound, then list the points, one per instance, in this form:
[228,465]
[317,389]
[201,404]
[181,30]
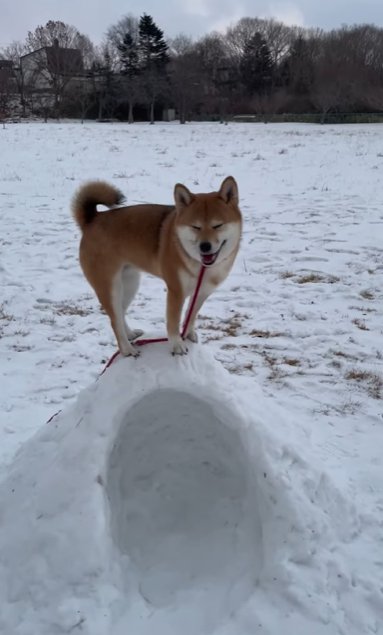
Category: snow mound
[161,502]
[183,504]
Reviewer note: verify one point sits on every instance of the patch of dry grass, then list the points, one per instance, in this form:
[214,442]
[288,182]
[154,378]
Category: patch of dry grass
[273,364]
[347,407]
[367,294]
[21,333]
[19,348]
[265,334]
[7,317]
[372,382]
[64,308]
[50,321]
[344,355]
[316,277]
[291,361]
[360,324]
[228,327]
[286,274]
[362,309]
[231,328]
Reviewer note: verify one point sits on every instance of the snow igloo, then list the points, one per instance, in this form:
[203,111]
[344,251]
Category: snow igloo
[151,505]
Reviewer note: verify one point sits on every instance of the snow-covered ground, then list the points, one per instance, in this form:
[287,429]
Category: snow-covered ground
[300,316]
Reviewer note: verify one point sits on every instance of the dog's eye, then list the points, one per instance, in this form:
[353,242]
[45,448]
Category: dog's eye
[218,226]
[197,227]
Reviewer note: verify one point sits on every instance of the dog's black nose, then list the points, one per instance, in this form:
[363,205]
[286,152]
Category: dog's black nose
[205,247]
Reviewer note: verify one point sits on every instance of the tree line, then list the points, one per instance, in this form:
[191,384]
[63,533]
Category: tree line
[257,66]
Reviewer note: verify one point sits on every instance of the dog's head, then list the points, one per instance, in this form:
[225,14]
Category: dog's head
[208,225]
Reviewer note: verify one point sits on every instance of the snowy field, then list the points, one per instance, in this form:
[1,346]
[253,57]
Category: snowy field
[300,317]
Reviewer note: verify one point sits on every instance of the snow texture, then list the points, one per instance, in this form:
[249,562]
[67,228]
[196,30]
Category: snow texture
[233,492]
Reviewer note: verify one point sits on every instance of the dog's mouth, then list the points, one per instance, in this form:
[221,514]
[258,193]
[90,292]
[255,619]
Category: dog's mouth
[209,259]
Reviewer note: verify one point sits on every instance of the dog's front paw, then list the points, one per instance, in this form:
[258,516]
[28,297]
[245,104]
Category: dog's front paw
[178,346]
[192,336]
[129,351]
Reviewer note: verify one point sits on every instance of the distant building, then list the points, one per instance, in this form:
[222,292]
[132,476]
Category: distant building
[168,114]
[50,65]
[46,75]
[8,88]
[7,71]
[6,64]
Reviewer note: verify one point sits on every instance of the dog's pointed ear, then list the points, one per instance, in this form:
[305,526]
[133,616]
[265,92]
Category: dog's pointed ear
[182,196]
[229,190]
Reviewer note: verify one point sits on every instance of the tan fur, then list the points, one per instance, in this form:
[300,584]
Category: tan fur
[160,240]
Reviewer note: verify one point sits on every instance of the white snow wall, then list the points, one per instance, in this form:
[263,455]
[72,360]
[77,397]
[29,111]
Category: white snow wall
[157,503]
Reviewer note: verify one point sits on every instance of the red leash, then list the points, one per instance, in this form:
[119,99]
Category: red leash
[157,340]
[193,301]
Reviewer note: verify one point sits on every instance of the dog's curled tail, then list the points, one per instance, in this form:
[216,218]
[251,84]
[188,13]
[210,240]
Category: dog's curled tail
[85,201]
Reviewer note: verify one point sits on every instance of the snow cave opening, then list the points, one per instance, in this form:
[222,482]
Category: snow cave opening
[183,503]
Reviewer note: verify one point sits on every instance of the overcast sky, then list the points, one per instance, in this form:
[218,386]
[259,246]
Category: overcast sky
[193,17]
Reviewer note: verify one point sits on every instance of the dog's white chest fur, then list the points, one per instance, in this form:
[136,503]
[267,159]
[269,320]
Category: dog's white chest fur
[211,279]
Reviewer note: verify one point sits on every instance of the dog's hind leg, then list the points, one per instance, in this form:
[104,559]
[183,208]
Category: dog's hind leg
[130,277]
[109,295]
[113,302]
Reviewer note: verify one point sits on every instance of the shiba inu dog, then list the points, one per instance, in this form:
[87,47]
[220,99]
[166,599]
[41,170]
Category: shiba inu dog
[168,241]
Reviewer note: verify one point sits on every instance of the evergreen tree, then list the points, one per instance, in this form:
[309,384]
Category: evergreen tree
[153,50]
[131,89]
[105,84]
[128,52]
[298,68]
[153,59]
[256,65]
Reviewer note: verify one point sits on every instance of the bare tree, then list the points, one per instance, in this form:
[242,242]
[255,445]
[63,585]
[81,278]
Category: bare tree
[361,50]
[105,83]
[212,53]
[186,84]
[214,64]
[80,98]
[14,52]
[65,35]
[130,80]
[6,90]
[347,71]
[297,70]
[131,92]
[329,85]
[115,35]
[278,37]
